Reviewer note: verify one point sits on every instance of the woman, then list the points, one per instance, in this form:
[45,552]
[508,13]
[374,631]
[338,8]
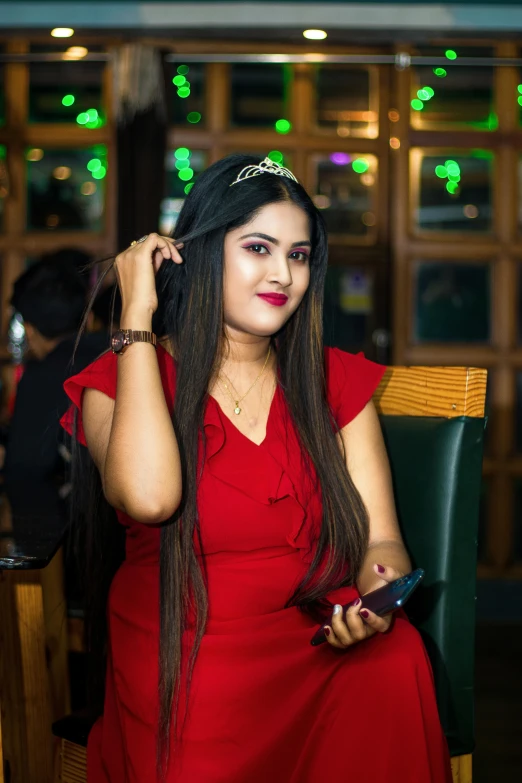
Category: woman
[247,466]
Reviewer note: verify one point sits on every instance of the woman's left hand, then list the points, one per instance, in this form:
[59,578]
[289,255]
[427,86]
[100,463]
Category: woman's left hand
[357,624]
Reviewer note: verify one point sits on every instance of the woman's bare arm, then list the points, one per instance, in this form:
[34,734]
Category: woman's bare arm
[367,462]
[131,438]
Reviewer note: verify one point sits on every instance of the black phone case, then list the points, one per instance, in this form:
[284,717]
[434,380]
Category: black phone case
[384,600]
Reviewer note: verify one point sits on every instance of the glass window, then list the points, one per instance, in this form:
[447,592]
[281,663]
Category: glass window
[452,302]
[66,91]
[345,184]
[448,95]
[260,96]
[4,183]
[347,100]
[186,94]
[349,307]
[65,188]
[454,191]
[182,167]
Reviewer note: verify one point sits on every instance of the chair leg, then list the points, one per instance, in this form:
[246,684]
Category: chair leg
[461,767]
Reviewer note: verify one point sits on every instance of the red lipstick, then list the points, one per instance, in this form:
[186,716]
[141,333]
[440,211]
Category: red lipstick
[278,300]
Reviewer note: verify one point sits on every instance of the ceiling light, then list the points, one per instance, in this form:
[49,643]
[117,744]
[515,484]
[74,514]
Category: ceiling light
[315,35]
[62,32]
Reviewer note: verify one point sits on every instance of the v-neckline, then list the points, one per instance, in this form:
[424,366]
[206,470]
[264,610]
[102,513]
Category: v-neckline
[224,415]
[242,434]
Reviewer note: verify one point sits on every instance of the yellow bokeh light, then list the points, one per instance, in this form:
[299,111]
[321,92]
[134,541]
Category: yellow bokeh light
[88,188]
[75,53]
[62,32]
[62,172]
[315,35]
[35,154]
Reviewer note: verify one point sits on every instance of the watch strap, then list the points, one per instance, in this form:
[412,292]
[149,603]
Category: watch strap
[126,337]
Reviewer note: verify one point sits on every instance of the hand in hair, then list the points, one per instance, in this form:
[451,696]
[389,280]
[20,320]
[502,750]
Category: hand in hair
[136,268]
[359,624]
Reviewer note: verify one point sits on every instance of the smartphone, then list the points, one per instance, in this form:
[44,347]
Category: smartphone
[384,600]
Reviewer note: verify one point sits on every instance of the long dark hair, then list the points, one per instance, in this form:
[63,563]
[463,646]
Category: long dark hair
[191,315]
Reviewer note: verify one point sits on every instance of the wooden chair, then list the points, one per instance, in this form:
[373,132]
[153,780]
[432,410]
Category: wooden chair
[433,424]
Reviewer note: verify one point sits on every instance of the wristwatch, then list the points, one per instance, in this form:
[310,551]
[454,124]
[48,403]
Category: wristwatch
[122,338]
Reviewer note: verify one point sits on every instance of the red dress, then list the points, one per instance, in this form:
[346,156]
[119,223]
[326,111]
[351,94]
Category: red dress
[265,706]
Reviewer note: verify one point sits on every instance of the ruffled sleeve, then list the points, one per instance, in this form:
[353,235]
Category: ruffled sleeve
[101,375]
[351,381]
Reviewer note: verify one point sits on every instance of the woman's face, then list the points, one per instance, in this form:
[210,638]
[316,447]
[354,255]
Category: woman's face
[267,269]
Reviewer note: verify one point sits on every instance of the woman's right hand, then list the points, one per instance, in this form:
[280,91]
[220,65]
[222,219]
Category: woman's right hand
[136,268]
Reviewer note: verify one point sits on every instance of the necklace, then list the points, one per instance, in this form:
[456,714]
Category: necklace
[237,409]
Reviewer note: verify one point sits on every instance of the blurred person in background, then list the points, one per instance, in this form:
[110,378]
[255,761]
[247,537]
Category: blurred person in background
[50,296]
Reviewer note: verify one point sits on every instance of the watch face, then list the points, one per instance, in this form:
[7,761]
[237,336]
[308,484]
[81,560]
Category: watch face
[117,342]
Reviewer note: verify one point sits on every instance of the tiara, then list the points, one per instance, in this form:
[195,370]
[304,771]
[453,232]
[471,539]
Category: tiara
[267,166]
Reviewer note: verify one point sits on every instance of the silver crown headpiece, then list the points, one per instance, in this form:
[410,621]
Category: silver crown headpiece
[267,166]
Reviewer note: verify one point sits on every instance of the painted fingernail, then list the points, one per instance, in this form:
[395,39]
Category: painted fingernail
[356,602]
[381,569]
[327,631]
[364,613]
[337,609]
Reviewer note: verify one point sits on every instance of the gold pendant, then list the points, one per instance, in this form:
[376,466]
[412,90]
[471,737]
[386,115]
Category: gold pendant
[237,410]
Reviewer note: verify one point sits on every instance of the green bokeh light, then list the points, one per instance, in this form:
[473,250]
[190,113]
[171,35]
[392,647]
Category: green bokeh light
[360,165]
[451,54]
[441,172]
[186,174]
[183,69]
[188,187]
[519,87]
[82,118]
[452,187]
[184,92]
[182,153]
[429,90]
[182,164]
[92,115]
[276,156]
[519,100]
[94,164]
[423,95]
[193,117]
[440,72]
[283,126]
[179,81]
[99,173]
[68,100]
[417,104]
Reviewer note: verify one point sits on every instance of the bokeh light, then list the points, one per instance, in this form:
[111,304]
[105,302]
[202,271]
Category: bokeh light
[62,32]
[68,100]
[194,117]
[188,187]
[183,69]
[283,126]
[82,118]
[35,154]
[360,165]
[179,80]
[186,174]
[182,153]
[440,72]
[276,156]
[184,92]
[94,164]
[451,54]
[417,104]
[99,173]
[340,158]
